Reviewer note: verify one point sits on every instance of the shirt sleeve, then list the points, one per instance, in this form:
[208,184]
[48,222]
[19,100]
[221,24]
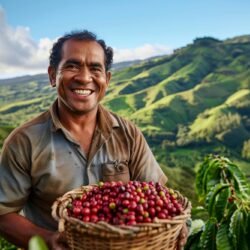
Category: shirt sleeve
[143,163]
[15,180]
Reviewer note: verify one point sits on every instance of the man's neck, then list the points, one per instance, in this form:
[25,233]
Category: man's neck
[80,126]
[77,122]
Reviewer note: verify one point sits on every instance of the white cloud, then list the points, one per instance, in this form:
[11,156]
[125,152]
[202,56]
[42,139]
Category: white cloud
[143,52]
[20,54]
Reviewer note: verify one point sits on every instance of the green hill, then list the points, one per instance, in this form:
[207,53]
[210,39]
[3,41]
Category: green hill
[188,104]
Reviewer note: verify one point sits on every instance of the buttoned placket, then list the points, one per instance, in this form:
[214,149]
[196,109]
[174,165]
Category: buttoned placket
[97,143]
[77,151]
[101,135]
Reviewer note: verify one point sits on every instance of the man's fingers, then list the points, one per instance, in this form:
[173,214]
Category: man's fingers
[62,238]
[59,242]
[183,235]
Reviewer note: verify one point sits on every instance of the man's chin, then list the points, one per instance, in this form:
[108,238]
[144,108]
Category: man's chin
[85,111]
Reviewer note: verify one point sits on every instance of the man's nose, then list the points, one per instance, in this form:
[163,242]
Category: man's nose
[84,75]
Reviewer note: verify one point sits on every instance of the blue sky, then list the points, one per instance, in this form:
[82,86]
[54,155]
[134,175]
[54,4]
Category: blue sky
[136,29]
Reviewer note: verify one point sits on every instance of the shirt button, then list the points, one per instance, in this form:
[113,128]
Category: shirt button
[120,168]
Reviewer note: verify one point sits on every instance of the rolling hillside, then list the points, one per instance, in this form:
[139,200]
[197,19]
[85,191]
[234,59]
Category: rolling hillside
[188,104]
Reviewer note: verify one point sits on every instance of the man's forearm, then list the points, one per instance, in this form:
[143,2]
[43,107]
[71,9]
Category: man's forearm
[18,230]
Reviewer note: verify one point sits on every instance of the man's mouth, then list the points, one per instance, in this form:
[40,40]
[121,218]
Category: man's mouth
[83,92]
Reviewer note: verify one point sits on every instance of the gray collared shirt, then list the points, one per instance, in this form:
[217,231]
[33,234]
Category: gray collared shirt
[40,162]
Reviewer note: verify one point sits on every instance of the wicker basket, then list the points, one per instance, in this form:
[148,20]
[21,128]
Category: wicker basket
[160,235]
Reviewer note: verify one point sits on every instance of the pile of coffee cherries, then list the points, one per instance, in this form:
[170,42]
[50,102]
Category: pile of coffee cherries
[125,204]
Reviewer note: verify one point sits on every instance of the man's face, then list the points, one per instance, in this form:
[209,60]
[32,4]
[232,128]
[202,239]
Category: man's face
[81,79]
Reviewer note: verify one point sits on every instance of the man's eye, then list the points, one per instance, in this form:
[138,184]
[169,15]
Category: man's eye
[71,66]
[96,68]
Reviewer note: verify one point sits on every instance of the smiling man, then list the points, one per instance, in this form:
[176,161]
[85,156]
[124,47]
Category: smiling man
[81,79]
[76,142]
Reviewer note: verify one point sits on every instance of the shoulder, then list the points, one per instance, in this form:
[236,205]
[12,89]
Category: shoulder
[121,123]
[30,129]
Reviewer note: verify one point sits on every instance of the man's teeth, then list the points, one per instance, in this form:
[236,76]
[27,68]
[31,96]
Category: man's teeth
[82,91]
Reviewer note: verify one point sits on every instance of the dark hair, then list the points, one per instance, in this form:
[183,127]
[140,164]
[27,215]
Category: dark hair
[56,51]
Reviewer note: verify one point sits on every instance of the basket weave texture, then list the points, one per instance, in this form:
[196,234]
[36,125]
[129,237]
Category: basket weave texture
[160,235]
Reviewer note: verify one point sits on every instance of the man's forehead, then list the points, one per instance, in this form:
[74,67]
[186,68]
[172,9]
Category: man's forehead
[82,49]
[74,44]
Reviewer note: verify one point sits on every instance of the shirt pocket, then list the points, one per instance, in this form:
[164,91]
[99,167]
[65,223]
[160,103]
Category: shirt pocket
[116,171]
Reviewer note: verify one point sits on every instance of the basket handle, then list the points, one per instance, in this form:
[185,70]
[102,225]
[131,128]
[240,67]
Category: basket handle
[55,211]
[61,224]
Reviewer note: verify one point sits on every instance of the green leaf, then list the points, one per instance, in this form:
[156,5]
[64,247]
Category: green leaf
[223,241]
[221,204]
[5,245]
[212,199]
[193,241]
[240,182]
[37,243]
[199,177]
[208,236]
[213,164]
[213,176]
[238,226]
[248,224]
[208,176]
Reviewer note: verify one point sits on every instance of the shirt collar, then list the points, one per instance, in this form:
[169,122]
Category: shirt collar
[106,120]
[56,124]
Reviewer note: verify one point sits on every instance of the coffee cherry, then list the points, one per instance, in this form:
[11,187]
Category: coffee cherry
[159,203]
[93,218]
[112,205]
[161,215]
[86,218]
[126,204]
[77,210]
[132,205]
[86,211]
[151,211]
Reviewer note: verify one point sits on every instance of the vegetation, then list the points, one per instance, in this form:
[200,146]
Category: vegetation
[5,245]
[224,192]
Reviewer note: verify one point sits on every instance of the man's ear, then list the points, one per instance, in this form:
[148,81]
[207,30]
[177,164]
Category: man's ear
[52,76]
[108,77]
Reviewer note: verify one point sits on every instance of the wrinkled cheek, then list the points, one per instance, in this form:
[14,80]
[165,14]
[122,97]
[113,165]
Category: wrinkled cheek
[102,93]
[60,86]
[61,92]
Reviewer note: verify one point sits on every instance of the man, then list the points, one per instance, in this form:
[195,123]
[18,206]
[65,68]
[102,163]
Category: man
[77,142]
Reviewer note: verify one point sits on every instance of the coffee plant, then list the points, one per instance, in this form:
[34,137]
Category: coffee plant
[5,245]
[225,194]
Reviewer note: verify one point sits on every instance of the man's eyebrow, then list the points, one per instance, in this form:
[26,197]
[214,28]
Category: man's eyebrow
[78,62]
[73,61]
[96,64]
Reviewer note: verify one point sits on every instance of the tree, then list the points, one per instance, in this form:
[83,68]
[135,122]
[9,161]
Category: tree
[246,150]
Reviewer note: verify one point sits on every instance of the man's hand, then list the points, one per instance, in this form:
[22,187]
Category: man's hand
[183,237]
[22,232]
[57,241]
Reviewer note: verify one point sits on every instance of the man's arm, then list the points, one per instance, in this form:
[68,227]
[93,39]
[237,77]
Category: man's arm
[144,166]
[18,230]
